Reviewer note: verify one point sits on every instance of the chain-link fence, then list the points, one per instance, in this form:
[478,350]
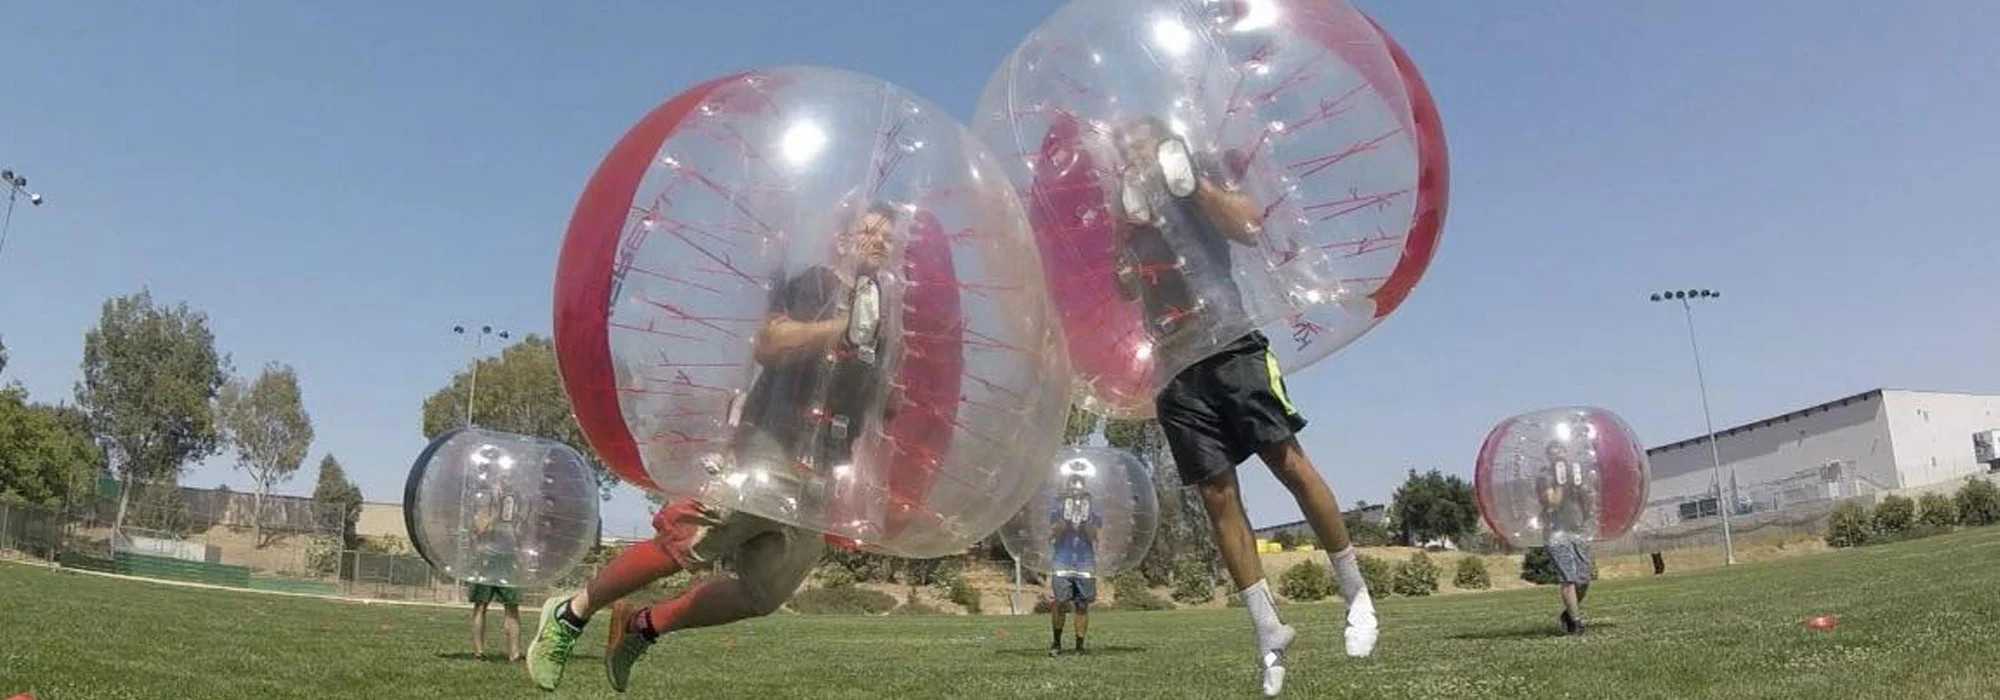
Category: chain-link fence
[221,537]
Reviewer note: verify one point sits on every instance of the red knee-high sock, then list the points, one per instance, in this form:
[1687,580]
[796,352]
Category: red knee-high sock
[630,571]
[706,605]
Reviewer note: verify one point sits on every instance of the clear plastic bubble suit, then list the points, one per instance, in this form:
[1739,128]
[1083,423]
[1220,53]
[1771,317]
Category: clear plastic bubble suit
[1563,472]
[1095,515]
[501,509]
[810,295]
[1301,113]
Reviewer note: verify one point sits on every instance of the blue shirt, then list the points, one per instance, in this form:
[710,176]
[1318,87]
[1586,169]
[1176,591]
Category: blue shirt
[1075,520]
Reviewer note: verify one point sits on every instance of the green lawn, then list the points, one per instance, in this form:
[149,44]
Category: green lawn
[1917,619]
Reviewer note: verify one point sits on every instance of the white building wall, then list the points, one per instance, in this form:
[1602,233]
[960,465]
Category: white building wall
[1933,433]
[1768,459]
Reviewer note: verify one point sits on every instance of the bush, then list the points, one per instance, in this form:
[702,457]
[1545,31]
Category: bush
[963,594]
[1538,568]
[1978,503]
[1133,594]
[1194,582]
[916,609]
[1847,526]
[1936,510]
[1471,575]
[1894,514]
[323,555]
[1306,582]
[1363,534]
[1417,576]
[836,577]
[1375,574]
[843,601]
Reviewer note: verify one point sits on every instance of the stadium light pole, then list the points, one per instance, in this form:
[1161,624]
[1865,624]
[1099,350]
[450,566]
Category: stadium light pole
[1701,381]
[17,185]
[478,344]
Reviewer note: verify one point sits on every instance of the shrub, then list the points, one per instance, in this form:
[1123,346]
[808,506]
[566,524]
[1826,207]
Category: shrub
[1417,576]
[1194,581]
[1936,510]
[1363,534]
[1538,568]
[963,594]
[843,601]
[1375,573]
[1847,526]
[1894,514]
[1978,503]
[1306,582]
[916,609]
[835,577]
[323,555]
[1471,574]
[1133,594]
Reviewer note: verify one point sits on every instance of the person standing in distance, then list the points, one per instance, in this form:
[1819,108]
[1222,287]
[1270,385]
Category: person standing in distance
[817,349]
[1074,523]
[1176,218]
[1566,508]
[495,537]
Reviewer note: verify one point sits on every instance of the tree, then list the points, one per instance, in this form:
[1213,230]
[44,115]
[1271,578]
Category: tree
[336,494]
[1080,425]
[150,376]
[266,421]
[1183,533]
[1432,506]
[46,453]
[519,392]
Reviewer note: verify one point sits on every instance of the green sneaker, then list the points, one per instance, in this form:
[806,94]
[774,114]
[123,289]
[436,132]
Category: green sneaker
[622,648]
[549,650]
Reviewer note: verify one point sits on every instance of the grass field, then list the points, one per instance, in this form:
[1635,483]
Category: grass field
[1916,619]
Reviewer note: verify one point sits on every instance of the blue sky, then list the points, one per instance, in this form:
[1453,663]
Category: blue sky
[337,184]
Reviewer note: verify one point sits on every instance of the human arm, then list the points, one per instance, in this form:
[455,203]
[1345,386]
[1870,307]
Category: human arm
[790,330]
[1234,213]
[783,337]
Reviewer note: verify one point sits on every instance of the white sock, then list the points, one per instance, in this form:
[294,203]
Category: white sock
[1347,570]
[1263,613]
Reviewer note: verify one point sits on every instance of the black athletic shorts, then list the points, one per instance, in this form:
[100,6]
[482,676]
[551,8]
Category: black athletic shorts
[1219,411]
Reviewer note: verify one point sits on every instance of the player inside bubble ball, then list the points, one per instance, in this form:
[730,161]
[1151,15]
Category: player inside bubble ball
[1565,501]
[1177,219]
[495,541]
[1073,525]
[817,351]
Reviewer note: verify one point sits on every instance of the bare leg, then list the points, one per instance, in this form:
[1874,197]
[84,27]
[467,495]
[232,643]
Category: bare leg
[633,569]
[1055,624]
[513,623]
[707,605]
[1288,461]
[1082,625]
[1223,500]
[479,629]
[1570,602]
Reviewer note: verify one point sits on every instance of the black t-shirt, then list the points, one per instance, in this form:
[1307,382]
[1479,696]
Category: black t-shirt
[782,400]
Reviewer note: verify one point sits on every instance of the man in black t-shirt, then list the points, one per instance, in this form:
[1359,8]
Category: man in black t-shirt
[1177,220]
[820,353]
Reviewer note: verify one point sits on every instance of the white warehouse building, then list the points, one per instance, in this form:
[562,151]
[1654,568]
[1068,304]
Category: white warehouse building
[1873,441]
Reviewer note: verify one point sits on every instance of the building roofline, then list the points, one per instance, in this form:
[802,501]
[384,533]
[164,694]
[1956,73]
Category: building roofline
[1763,422]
